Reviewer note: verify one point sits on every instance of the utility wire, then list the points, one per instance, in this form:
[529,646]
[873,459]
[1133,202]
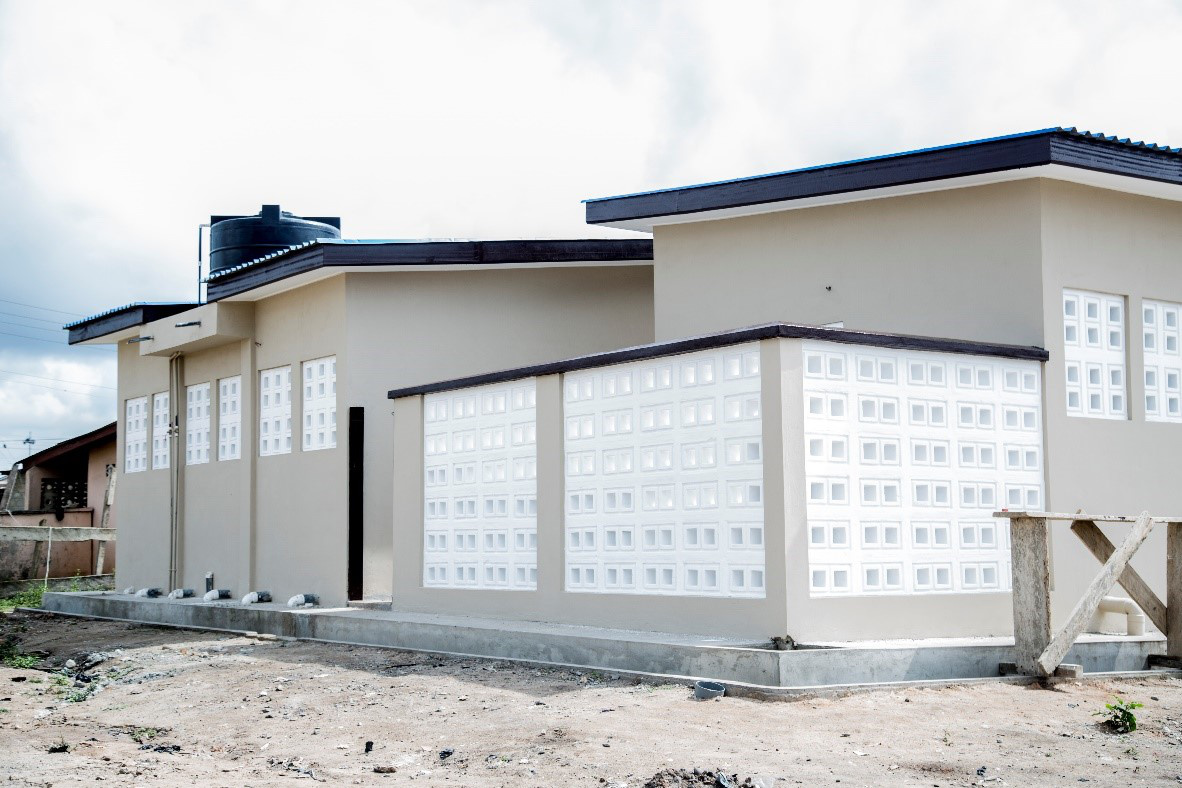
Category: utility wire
[57,323]
[50,341]
[27,327]
[42,308]
[37,440]
[56,380]
[63,391]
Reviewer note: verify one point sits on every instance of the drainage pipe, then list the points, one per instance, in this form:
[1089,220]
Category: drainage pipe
[175,478]
[1134,618]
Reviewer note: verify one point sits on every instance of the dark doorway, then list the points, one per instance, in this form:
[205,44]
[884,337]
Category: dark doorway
[356,499]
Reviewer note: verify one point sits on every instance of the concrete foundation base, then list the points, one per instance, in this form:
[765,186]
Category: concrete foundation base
[822,665]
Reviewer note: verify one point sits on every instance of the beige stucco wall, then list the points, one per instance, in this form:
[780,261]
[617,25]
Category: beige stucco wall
[280,523]
[301,509]
[211,492]
[142,497]
[961,263]
[1127,245]
[989,264]
[276,523]
[420,327]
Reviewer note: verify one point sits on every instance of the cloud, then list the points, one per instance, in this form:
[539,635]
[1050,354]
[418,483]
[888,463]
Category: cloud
[123,125]
[51,398]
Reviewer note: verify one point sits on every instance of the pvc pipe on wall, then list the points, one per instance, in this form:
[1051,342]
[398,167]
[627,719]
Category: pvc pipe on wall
[1134,618]
[175,391]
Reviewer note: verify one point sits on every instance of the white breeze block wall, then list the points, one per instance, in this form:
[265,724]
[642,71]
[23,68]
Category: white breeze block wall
[908,454]
[1094,354]
[480,477]
[1162,341]
[664,476]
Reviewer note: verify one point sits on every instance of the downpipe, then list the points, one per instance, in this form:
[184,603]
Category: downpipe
[175,478]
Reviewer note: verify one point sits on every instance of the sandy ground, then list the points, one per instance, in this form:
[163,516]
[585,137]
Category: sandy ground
[195,708]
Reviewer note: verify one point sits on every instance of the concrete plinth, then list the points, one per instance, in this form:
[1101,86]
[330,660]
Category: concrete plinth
[680,656]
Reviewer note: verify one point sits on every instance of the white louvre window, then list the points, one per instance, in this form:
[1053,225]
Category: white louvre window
[160,440]
[275,411]
[197,424]
[135,436]
[1161,340]
[320,403]
[1094,354]
[230,418]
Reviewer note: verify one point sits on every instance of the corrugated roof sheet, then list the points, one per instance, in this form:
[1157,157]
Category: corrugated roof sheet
[317,242]
[125,307]
[1071,130]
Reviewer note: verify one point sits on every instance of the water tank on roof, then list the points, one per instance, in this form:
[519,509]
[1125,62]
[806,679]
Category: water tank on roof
[240,239]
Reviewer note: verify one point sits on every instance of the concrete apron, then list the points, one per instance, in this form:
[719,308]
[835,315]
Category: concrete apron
[755,669]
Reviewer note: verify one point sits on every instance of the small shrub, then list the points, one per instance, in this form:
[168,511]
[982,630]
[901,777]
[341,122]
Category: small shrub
[1118,716]
[22,661]
[142,735]
[11,656]
[81,694]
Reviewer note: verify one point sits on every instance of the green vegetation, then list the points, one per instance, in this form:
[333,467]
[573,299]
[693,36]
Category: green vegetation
[1119,715]
[22,661]
[30,597]
[11,656]
[82,693]
[143,735]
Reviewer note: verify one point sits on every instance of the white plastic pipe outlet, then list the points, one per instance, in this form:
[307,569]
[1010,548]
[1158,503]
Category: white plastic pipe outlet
[1134,618]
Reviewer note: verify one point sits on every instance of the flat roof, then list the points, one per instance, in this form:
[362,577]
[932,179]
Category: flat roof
[733,337]
[1066,147]
[334,252]
[121,318]
[330,253]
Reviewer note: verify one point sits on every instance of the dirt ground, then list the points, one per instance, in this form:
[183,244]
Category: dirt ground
[176,707]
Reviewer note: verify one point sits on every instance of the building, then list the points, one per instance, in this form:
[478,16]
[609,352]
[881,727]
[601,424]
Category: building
[256,434]
[931,336]
[64,485]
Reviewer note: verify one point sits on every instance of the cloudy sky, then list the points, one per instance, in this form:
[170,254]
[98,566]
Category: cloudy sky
[123,125]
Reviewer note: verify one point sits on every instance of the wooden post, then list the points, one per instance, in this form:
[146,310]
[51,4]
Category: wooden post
[1173,628]
[108,498]
[1086,607]
[1030,553]
[108,502]
[1100,546]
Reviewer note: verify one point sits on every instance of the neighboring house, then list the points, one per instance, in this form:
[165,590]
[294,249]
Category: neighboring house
[65,486]
[1005,334]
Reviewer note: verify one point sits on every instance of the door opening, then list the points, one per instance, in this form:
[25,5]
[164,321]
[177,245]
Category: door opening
[356,500]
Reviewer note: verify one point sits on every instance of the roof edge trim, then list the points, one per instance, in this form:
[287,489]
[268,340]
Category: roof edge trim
[723,339]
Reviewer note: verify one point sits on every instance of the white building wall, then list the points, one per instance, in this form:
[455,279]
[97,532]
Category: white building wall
[135,435]
[1094,355]
[480,488]
[664,476]
[908,454]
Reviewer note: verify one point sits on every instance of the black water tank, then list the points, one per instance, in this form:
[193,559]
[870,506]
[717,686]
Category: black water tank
[240,239]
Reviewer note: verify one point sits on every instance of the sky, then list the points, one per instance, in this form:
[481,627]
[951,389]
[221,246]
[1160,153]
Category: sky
[125,125]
